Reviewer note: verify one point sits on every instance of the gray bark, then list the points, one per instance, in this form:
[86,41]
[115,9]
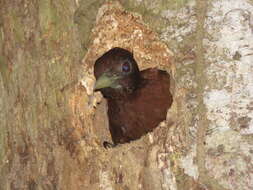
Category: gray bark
[52,124]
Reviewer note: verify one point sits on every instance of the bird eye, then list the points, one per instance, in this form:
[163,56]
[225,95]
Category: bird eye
[126,66]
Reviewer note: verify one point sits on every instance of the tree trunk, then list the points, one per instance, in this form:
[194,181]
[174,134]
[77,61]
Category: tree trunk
[53,125]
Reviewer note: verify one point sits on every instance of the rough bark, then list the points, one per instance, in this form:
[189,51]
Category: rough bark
[53,124]
[40,54]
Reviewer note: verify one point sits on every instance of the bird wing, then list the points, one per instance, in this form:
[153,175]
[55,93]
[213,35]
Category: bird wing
[146,108]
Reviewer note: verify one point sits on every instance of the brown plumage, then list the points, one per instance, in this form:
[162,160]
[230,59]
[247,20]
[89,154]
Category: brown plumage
[137,101]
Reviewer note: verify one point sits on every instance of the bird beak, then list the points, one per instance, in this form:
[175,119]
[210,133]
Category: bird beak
[106,80]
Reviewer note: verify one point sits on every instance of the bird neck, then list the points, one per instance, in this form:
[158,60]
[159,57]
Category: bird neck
[124,93]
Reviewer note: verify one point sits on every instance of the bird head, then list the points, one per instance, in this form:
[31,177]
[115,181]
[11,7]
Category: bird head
[116,71]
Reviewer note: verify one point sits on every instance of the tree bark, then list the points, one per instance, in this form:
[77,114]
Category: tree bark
[52,124]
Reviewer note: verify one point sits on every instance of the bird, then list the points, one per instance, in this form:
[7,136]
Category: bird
[137,100]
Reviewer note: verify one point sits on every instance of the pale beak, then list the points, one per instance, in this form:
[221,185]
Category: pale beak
[106,80]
